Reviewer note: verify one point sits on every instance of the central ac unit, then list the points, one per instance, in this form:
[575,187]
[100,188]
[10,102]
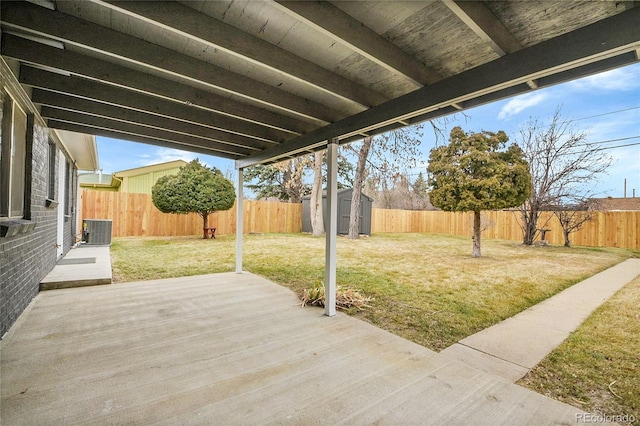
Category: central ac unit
[97,231]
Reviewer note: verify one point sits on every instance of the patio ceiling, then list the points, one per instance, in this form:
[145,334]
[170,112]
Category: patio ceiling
[260,81]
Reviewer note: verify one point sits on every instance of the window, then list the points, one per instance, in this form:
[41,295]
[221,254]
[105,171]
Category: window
[12,159]
[51,190]
[67,189]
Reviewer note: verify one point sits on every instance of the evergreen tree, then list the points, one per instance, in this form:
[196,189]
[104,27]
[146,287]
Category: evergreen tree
[420,186]
[474,172]
[195,189]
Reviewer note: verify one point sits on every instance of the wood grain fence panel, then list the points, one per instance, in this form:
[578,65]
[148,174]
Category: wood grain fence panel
[606,229]
[135,215]
[630,229]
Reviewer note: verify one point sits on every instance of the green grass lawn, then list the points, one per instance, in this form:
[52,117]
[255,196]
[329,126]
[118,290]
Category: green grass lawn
[429,289]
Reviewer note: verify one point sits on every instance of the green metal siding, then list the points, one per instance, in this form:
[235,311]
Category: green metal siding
[142,184]
[100,188]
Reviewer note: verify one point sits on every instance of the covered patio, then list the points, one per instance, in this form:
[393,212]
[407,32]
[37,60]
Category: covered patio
[235,349]
[263,81]
[258,82]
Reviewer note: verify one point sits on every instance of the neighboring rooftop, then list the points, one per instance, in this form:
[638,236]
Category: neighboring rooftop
[100,181]
[138,180]
[95,178]
[151,168]
[617,204]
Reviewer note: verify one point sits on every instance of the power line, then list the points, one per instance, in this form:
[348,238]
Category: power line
[606,113]
[609,141]
[605,148]
[554,154]
[567,153]
[618,146]
[588,143]
[544,124]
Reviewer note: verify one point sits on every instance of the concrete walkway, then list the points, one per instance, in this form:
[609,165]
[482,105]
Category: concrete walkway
[82,266]
[514,346]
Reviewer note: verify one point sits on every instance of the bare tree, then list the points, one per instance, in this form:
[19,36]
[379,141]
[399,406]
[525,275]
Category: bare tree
[572,217]
[386,156]
[358,182]
[283,180]
[402,194]
[398,196]
[561,162]
[293,177]
[315,203]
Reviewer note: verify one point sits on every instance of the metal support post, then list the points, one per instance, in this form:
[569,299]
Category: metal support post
[332,229]
[239,222]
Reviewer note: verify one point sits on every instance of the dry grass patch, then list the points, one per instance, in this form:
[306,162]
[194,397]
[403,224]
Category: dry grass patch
[598,367]
[347,299]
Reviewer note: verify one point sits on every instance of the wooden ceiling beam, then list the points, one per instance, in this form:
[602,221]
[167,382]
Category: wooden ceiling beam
[59,115]
[80,87]
[31,52]
[479,18]
[183,20]
[110,133]
[563,58]
[25,16]
[327,18]
[89,107]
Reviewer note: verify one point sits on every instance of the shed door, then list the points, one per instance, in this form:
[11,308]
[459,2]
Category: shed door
[343,216]
[344,212]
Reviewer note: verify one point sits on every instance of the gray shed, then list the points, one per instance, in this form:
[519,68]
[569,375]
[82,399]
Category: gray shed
[344,208]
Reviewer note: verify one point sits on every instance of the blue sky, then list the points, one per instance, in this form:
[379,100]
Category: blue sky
[606,106]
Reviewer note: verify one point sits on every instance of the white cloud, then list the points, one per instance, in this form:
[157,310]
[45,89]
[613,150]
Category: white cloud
[520,103]
[164,155]
[620,79]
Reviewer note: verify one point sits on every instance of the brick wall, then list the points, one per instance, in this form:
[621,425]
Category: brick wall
[27,258]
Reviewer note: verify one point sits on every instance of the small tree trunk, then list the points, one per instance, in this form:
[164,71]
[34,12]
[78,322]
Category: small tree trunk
[315,203]
[567,241]
[476,234]
[358,181]
[205,223]
[530,216]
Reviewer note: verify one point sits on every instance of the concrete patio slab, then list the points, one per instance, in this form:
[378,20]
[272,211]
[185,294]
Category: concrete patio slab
[235,349]
[485,362]
[81,266]
[512,347]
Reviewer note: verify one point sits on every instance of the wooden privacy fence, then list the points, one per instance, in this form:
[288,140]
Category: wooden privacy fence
[135,215]
[606,229]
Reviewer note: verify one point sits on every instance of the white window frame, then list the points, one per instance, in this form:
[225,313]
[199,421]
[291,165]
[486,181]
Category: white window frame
[13,151]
